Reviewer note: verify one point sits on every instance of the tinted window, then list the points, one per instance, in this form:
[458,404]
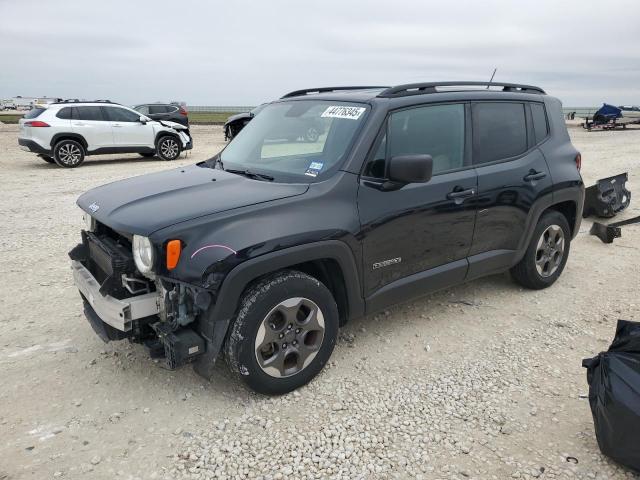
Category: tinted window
[143,109]
[377,164]
[64,113]
[117,114]
[499,130]
[153,109]
[540,127]
[436,130]
[34,112]
[89,113]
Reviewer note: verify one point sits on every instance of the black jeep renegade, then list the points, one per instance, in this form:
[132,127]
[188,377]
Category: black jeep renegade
[262,252]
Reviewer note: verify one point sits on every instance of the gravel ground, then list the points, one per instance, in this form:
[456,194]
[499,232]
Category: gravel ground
[479,381]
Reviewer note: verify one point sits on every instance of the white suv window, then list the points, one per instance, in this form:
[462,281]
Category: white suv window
[117,114]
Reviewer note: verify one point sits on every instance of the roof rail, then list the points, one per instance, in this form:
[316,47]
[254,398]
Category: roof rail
[299,93]
[431,87]
[76,100]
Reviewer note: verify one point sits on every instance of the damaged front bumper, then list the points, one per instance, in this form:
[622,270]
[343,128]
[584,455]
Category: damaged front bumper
[119,314]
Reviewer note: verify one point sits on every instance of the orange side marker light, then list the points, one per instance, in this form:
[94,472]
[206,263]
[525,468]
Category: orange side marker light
[174,248]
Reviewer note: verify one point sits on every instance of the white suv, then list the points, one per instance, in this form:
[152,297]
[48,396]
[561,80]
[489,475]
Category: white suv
[66,132]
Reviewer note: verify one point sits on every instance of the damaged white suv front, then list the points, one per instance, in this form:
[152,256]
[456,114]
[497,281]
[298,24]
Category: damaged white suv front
[68,131]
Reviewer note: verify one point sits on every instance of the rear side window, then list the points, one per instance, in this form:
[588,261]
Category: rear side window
[64,113]
[34,112]
[157,109]
[499,131]
[117,114]
[540,127]
[88,113]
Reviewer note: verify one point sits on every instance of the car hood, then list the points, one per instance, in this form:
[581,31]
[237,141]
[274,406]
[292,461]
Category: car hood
[145,204]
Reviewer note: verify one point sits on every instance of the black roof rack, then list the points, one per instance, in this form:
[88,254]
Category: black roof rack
[76,100]
[298,93]
[431,87]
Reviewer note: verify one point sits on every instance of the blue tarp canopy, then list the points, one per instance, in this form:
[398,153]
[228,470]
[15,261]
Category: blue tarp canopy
[608,112]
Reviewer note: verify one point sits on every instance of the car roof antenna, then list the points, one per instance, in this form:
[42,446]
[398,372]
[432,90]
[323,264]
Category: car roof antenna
[491,79]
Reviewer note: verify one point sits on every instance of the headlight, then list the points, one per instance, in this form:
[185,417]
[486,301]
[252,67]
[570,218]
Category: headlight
[89,222]
[143,254]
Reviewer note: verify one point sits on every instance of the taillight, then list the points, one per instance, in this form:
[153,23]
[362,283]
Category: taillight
[36,123]
[579,161]
[182,111]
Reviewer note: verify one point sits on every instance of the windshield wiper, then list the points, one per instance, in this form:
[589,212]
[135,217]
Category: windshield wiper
[252,175]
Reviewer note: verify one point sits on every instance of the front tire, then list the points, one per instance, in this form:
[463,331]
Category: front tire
[168,148]
[547,254]
[68,153]
[284,333]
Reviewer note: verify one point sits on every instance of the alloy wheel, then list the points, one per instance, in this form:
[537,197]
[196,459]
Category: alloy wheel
[69,154]
[169,148]
[550,251]
[289,337]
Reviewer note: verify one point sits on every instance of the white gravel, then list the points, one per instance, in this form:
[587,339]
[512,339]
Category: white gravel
[479,381]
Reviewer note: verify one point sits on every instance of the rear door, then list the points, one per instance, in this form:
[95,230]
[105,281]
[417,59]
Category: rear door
[90,122]
[128,131]
[512,175]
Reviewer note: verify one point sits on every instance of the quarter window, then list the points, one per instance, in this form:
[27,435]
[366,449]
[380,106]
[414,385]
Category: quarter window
[88,113]
[540,127]
[499,130]
[117,114]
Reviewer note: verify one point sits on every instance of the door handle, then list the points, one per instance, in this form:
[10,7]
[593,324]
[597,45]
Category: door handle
[461,194]
[116,125]
[79,124]
[533,176]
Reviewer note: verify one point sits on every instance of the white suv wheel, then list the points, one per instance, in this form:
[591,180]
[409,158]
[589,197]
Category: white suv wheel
[168,148]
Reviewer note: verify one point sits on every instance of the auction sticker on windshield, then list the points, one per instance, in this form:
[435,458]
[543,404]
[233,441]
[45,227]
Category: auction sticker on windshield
[338,111]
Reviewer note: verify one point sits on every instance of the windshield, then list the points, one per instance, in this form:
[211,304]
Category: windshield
[296,141]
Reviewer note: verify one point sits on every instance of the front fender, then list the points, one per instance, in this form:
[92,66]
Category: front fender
[214,325]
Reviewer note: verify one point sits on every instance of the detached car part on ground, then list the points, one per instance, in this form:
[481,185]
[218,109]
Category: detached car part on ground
[66,132]
[262,252]
[608,197]
[614,395]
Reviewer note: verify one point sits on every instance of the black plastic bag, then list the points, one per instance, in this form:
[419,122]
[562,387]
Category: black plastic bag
[614,395]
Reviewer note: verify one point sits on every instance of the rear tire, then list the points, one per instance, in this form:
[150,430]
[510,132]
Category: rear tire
[168,148]
[547,254]
[283,334]
[68,153]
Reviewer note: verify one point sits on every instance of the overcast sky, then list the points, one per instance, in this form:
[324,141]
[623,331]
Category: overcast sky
[245,52]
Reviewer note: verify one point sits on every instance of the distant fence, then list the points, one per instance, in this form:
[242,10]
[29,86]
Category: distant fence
[217,109]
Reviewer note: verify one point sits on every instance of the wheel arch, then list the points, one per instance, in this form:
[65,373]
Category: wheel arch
[166,133]
[69,136]
[569,209]
[331,261]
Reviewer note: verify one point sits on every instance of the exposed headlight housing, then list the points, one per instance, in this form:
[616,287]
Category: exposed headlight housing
[143,254]
[89,222]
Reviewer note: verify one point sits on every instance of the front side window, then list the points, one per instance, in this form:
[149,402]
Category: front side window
[499,131]
[296,140]
[436,130]
[117,114]
[88,113]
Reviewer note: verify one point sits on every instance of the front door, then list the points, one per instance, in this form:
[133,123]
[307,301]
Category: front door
[128,131]
[418,236]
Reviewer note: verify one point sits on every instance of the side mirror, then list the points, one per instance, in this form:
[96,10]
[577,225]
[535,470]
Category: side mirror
[143,120]
[411,169]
